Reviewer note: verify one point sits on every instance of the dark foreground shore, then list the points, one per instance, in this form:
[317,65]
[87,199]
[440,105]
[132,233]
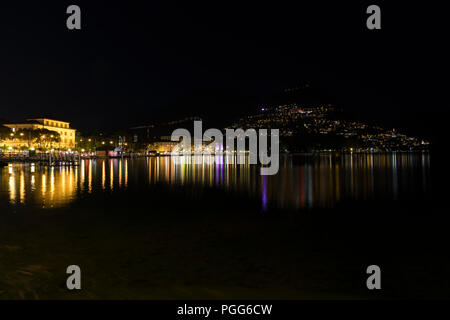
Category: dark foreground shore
[166,244]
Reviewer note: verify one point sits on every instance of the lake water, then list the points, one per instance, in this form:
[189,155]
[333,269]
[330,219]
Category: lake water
[156,228]
[308,181]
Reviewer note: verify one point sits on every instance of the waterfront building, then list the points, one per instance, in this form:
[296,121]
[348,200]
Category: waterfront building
[162,147]
[66,133]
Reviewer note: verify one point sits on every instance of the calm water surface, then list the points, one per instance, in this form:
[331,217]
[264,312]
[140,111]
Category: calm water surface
[302,182]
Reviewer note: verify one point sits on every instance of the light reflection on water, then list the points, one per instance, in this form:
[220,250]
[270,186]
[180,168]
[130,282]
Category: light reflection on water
[302,182]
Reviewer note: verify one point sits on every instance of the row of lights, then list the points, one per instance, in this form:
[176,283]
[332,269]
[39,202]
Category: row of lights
[21,134]
[103,142]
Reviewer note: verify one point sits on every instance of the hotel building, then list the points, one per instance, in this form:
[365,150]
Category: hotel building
[66,133]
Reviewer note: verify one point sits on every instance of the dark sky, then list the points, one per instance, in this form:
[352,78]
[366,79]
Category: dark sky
[135,62]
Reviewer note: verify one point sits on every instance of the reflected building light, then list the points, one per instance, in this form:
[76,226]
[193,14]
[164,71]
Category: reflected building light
[90,176]
[195,170]
[103,175]
[167,173]
[52,183]
[111,175]
[211,175]
[33,183]
[120,172]
[149,168]
[264,193]
[22,187]
[202,173]
[71,175]
[82,175]
[217,174]
[63,183]
[126,173]
[44,185]
[12,189]
[157,169]
[227,168]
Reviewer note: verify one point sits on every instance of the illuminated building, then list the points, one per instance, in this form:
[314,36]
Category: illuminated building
[66,133]
[162,146]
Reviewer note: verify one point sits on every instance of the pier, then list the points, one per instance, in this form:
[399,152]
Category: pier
[53,159]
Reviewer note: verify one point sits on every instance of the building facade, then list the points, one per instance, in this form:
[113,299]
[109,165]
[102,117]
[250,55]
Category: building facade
[162,147]
[66,133]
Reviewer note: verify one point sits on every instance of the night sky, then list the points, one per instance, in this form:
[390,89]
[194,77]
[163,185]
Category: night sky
[135,62]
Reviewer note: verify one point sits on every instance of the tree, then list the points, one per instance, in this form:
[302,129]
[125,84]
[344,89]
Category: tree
[43,138]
